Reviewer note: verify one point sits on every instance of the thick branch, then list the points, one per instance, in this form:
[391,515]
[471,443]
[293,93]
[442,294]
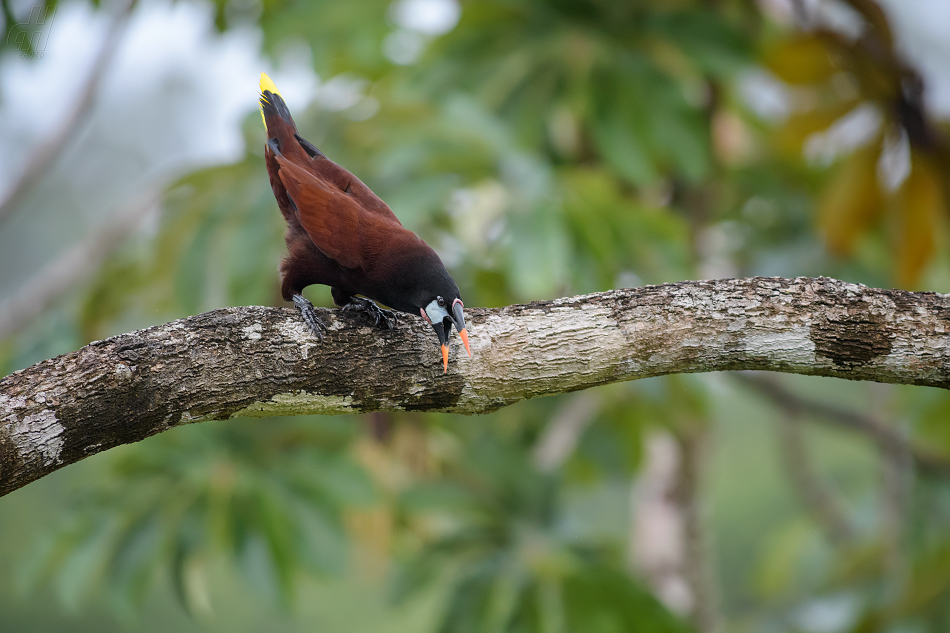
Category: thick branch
[257,361]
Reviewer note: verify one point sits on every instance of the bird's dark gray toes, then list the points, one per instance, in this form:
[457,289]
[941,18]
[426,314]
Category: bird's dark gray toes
[309,314]
[379,316]
[388,317]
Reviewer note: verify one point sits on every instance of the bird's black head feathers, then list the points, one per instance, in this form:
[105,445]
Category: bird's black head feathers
[432,280]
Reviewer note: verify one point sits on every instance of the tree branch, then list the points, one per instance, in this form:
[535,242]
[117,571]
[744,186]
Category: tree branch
[45,154]
[564,431]
[256,361]
[697,548]
[55,279]
[820,499]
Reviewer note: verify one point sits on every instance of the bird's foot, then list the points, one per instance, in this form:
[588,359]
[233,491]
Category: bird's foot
[380,317]
[309,314]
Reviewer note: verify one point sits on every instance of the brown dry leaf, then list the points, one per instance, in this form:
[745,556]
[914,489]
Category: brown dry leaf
[920,201]
[802,59]
[852,201]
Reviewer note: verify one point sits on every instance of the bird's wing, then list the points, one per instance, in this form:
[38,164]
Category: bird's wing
[335,221]
[327,170]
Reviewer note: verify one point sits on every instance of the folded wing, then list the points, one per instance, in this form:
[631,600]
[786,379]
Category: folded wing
[335,221]
[346,182]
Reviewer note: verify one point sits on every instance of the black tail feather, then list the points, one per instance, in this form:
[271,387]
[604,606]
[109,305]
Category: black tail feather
[273,105]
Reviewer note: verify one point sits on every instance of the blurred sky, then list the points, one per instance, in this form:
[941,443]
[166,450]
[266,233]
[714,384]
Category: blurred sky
[177,92]
[172,100]
[923,29]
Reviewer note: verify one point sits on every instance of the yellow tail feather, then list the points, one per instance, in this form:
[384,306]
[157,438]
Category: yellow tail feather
[267,84]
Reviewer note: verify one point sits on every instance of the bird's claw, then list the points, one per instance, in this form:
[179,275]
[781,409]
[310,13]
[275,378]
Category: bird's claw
[309,314]
[373,311]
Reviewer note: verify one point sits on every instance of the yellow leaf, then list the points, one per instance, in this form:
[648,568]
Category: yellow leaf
[802,59]
[852,201]
[920,201]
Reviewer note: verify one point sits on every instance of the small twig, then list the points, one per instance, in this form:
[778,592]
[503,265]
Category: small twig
[699,563]
[887,438]
[818,497]
[82,260]
[562,433]
[897,486]
[45,155]
[801,14]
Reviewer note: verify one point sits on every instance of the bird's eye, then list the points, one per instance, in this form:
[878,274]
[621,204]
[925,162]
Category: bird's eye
[441,301]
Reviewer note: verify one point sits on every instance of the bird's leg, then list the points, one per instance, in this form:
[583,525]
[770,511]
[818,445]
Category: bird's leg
[309,315]
[380,317]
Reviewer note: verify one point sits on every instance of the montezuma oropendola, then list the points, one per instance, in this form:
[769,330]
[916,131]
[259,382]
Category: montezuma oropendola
[341,234]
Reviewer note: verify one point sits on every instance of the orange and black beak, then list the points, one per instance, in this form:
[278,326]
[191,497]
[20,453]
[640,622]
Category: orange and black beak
[443,330]
[440,331]
[459,319]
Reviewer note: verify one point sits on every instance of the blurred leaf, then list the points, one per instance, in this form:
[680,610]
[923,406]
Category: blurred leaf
[602,600]
[321,543]
[932,421]
[443,495]
[706,37]
[920,205]
[133,561]
[623,150]
[783,560]
[84,564]
[930,581]
[852,201]
[539,262]
[267,493]
[802,59]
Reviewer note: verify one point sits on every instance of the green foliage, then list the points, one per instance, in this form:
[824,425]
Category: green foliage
[503,536]
[270,497]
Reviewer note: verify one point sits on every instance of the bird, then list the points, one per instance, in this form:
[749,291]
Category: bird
[341,234]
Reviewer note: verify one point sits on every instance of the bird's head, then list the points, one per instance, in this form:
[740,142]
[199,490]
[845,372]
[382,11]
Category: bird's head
[442,311]
[434,295]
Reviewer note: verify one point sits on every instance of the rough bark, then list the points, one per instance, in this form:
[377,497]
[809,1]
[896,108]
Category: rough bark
[256,361]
